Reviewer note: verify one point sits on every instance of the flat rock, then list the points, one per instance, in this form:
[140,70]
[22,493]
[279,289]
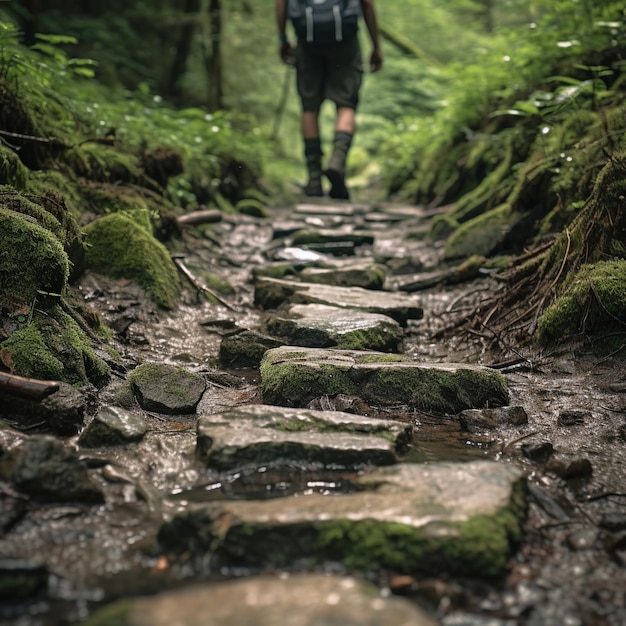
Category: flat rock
[477,420]
[297,600]
[346,210]
[272,292]
[113,425]
[166,388]
[292,376]
[322,326]
[365,275]
[44,466]
[334,235]
[256,435]
[246,349]
[459,518]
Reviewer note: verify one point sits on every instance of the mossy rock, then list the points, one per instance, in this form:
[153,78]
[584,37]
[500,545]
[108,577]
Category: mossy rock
[118,247]
[481,235]
[52,346]
[252,207]
[593,302]
[12,171]
[33,258]
[442,226]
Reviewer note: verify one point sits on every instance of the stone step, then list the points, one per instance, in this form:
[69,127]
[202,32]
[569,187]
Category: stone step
[272,292]
[296,600]
[293,376]
[260,435]
[457,518]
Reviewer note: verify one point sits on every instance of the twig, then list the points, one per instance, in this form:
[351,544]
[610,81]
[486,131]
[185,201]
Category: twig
[196,283]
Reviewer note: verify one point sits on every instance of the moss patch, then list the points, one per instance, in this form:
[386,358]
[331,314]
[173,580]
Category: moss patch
[52,346]
[119,248]
[593,301]
[32,259]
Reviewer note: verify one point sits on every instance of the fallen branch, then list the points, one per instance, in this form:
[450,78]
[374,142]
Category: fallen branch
[27,387]
[202,288]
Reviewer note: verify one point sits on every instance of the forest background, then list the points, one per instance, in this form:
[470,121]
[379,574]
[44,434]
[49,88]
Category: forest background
[510,113]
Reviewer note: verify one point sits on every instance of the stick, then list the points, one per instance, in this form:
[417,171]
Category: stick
[27,387]
[197,284]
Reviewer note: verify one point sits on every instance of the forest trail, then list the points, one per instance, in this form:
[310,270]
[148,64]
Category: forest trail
[199,500]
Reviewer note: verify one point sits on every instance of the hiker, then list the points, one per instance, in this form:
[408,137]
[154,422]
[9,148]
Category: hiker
[328,66]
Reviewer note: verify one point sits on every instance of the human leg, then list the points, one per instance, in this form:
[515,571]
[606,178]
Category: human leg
[343,86]
[312,153]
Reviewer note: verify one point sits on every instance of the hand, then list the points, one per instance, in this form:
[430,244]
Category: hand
[376,60]
[286,53]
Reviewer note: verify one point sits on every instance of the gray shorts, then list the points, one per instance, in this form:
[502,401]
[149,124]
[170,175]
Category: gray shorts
[331,72]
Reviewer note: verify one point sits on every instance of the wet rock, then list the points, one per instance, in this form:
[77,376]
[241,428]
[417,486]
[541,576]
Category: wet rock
[44,466]
[256,435]
[62,411]
[299,600]
[347,210]
[452,517]
[321,326]
[112,426]
[548,503]
[299,256]
[583,538]
[613,521]
[538,452]
[477,420]
[21,579]
[272,292]
[572,417]
[567,466]
[365,275]
[292,376]
[166,388]
[336,235]
[246,349]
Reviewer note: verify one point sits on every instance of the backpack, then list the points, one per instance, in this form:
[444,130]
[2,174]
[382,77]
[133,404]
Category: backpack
[324,21]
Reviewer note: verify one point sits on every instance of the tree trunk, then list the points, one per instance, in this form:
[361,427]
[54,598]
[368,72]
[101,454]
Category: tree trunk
[213,55]
[183,50]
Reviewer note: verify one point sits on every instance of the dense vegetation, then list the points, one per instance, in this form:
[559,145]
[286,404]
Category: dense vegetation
[510,115]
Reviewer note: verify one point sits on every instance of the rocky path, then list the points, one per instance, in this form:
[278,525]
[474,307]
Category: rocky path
[302,451]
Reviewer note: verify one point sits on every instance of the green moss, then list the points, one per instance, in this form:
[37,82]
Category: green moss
[480,545]
[116,614]
[592,301]
[250,206]
[119,248]
[275,271]
[53,347]
[12,171]
[379,358]
[292,384]
[32,259]
[219,284]
[124,396]
[481,235]
[441,226]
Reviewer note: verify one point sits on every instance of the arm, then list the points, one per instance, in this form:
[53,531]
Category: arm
[285,50]
[369,15]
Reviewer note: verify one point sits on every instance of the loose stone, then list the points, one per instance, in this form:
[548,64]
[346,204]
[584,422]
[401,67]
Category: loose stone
[476,420]
[166,388]
[111,426]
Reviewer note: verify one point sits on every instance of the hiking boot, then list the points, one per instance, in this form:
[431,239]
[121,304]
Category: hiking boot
[313,188]
[337,178]
[313,158]
[336,170]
